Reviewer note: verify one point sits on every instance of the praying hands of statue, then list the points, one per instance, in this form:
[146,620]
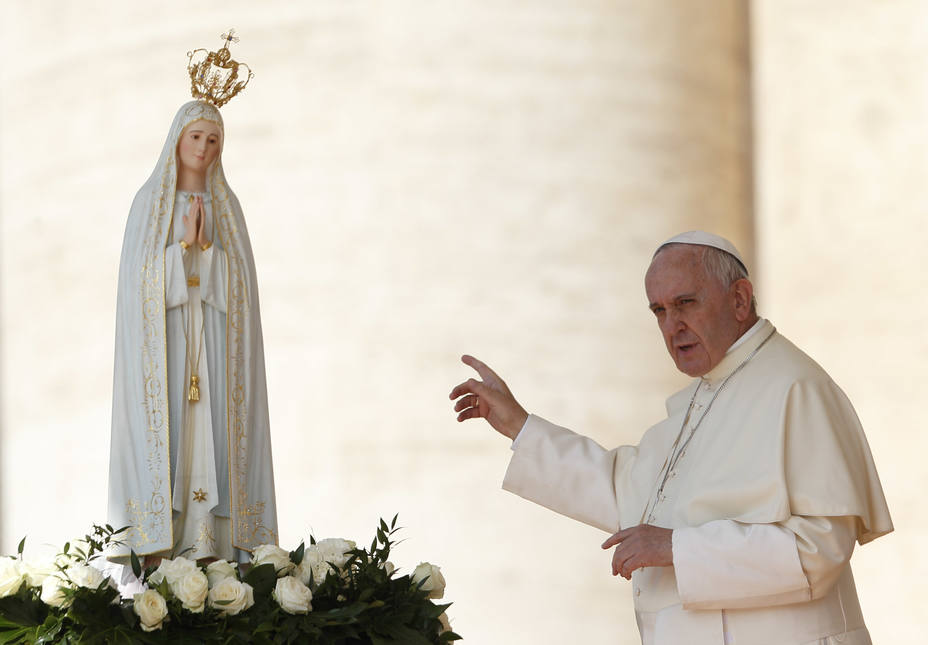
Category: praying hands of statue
[490,399]
[195,232]
[640,546]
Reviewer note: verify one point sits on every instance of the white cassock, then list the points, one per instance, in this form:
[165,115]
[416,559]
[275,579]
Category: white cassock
[766,498]
[189,474]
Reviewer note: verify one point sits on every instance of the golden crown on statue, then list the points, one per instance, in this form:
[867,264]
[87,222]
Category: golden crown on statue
[214,76]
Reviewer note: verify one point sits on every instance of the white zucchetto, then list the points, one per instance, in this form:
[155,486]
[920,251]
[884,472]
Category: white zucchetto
[701,238]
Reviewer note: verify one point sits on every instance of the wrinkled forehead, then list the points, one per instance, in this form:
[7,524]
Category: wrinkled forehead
[677,269]
[677,257]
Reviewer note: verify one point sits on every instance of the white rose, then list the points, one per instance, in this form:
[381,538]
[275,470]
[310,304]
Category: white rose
[218,570]
[84,575]
[12,575]
[335,550]
[314,564]
[37,571]
[273,554]
[292,595]
[191,590]
[231,596]
[445,623]
[172,570]
[434,581]
[52,594]
[151,609]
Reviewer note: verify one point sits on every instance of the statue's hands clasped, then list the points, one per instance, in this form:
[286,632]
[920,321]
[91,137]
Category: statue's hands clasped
[195,224]
[490,399]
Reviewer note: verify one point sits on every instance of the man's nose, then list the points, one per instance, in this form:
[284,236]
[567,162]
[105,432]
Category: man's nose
[672,322]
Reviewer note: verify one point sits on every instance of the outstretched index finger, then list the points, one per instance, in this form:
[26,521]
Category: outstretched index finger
[485,372]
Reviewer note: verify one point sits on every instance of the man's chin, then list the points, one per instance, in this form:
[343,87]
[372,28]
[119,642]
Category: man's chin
[690,366]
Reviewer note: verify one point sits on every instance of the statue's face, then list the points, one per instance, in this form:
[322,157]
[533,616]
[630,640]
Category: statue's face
[199,145]
[698,317]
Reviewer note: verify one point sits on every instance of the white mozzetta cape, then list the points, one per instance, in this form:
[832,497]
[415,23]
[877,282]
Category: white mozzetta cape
[140,477]
[781,440]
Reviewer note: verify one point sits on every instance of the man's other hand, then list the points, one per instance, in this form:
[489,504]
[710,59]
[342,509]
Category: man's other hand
[640,546]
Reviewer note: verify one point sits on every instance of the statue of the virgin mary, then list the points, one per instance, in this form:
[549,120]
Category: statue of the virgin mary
[190,454]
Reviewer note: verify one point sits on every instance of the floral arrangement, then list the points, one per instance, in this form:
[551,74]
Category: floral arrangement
[327,593]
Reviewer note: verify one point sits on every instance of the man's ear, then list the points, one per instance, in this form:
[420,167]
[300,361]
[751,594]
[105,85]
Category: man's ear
[743,293]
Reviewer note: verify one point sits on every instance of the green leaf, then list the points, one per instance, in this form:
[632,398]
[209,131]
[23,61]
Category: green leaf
[23,608]
[49,630]
[297,556]
[136,565]
[22,545]
[407,636]
[128,615]
[15,636]
[435,610]
[8,624]
[267,626]
[262,579]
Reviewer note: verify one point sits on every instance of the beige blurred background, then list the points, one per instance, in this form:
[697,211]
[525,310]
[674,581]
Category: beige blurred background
[424,178]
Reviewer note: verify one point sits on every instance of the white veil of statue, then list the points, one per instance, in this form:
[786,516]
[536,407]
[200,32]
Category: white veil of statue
[187,473]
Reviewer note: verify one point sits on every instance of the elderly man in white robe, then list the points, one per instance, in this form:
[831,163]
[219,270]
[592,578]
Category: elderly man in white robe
[736,516]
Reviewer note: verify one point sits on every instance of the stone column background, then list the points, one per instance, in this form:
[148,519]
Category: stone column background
[423,179]
[841,122]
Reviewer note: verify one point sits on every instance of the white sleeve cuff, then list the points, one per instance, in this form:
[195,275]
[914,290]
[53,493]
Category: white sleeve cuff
[726,564]
[515,442]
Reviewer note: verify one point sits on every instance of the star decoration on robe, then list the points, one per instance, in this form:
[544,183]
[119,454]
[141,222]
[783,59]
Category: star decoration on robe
[199,495]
